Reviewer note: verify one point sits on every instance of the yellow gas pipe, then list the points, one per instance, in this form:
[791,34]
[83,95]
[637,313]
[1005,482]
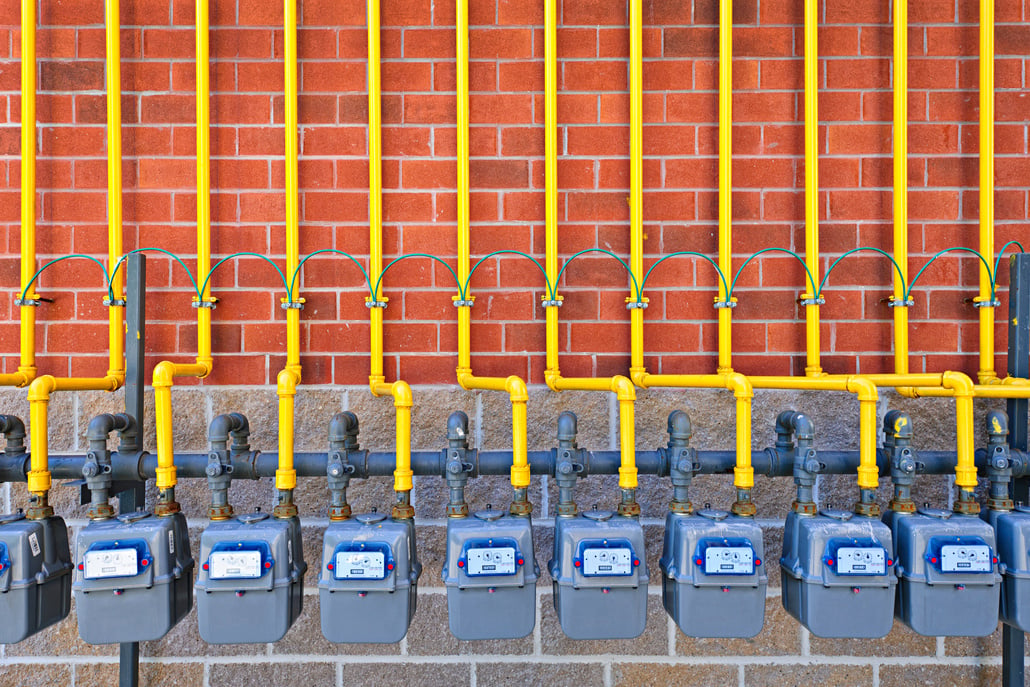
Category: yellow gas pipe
[399,390]
[809,297]
[985,301]
[42,387]
[290,376]
[743,473]
[166,371]
[620,385]
[27,365]
[899,302]
[514,385]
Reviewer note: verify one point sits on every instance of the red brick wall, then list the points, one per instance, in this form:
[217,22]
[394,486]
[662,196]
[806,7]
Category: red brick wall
[507,142]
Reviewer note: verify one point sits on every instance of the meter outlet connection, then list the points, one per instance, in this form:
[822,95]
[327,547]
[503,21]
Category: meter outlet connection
[838,573]
[250,587]
[599,575]
[490,573]
[35,575]
[134,577]
[713,574]
[949,583]
[368,584]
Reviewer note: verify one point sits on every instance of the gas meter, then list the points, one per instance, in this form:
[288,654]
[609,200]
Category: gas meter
[490,573]
[250,585]
[368,583]
[600,575]
[713,574]
[838,573]
[133,577]
[35,575]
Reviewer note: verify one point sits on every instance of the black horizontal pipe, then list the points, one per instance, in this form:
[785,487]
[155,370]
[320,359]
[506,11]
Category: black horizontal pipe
[770,462]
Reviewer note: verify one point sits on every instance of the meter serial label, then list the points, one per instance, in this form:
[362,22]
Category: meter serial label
[110,563]
[498,560]
[966,558]
[861,560]
[359,565]
[729,560]
[228,565]
[597,562]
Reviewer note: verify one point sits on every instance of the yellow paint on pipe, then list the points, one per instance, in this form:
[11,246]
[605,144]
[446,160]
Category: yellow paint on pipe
[116,313]
[986,373]
[620,385]
[399,390]
[290,377]
[725,181]
[166,371]
[39,401]
[812,345]
[515,386]
[900,155]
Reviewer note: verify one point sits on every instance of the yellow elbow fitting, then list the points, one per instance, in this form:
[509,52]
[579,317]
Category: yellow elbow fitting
[965,468]
[626,394]
[286,388]
[402,402]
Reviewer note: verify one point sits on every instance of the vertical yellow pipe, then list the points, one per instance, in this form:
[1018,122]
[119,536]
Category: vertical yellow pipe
[165,372]
[27,345]
[203,77]
[636,184]
[514,385]
[812,367]
[725,180]
[289,378]
[399,390]
[900,184]
[985,300]
[375,191]
[551,180]
[116,313]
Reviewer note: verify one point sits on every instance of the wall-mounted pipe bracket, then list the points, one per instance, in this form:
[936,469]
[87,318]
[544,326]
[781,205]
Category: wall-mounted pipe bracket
[466,303]
[292,305]
[900,302]
[633,304]
[979,302]
[27,302]
[720,304]
[210,303]
[811,301]
[115,302]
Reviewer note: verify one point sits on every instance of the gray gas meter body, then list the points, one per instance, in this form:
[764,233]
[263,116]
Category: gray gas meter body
[838,574]
[368,582]
[250,586]
[948,575]
[35,575]
[490,573]
[600,576]
[133,579]
[1012,529]
[713,574]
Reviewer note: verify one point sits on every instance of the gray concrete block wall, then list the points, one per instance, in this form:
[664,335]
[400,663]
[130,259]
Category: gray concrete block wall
[784,653]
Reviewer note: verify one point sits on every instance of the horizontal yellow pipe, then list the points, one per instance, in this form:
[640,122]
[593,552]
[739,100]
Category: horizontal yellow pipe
[864,388]
[743,472]
[402,402]
[39,401]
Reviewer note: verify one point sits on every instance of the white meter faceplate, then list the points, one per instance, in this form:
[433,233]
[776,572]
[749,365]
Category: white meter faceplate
[966,558]
[861,560]
[491,561]
[729,560]
[359,565]
[233,565]
[110,563]
[607,561]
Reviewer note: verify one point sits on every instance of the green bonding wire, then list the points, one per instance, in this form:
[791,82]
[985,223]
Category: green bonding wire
[110,293]
[885,254]
[463,291]
[173,256]
[379,281]
[938,254]
[296,272]
[203,287]
[722,277]
[997,261]
[568,262]
[774,249]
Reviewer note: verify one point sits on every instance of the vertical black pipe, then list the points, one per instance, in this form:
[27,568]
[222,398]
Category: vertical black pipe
[1018,366]
[133,497]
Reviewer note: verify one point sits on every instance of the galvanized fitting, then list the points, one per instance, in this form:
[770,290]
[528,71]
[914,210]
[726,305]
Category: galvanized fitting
[39,507]
[743,506]
[628,506]
[867,505]
[210,303]
[284,508]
